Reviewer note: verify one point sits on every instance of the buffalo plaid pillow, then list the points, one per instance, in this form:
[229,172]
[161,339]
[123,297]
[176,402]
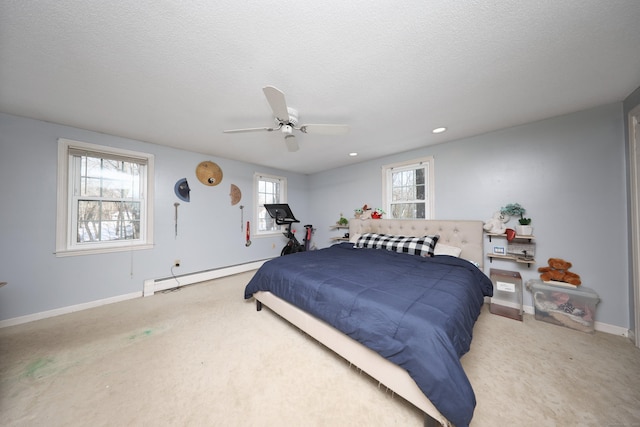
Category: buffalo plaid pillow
[422,246]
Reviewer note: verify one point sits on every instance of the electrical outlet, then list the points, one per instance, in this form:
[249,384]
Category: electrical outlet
[176,263]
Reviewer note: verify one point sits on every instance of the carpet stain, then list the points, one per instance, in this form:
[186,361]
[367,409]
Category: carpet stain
[38,368]
[145,333]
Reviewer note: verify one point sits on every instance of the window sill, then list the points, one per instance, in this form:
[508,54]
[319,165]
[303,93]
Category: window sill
[274,234]
[93,251]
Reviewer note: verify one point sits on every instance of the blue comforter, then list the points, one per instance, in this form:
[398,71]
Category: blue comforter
[417,312]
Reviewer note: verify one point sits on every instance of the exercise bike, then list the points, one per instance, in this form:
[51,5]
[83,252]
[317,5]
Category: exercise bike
[282,214]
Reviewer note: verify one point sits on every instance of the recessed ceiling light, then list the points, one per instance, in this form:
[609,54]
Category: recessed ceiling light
[353,154]
[438,130]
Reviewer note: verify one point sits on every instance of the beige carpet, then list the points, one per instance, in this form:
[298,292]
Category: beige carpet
[202,356]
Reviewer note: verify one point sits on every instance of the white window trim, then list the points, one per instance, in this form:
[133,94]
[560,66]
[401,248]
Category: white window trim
[63,222]
[283,193]
[386,188]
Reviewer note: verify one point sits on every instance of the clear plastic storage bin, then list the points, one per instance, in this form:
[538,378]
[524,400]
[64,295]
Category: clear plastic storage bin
[570,306]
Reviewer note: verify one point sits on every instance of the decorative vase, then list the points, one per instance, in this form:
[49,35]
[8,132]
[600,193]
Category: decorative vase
[511,234]
[524,230]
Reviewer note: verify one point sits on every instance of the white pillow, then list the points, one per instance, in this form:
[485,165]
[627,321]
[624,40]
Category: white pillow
[353,238]
[442,249]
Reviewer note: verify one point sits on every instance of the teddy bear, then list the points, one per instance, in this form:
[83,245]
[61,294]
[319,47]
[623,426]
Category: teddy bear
[497,224]
[558,270]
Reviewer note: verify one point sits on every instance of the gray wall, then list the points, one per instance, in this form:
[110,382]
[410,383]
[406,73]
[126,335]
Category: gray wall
[569,173]
[209,234]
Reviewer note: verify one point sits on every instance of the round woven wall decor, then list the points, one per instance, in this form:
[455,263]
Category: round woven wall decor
[209,173]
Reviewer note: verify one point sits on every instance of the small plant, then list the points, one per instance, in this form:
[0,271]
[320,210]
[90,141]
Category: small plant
[343,220]
[514,209]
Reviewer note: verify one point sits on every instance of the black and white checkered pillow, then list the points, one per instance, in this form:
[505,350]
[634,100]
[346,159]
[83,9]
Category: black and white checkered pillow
[423,246]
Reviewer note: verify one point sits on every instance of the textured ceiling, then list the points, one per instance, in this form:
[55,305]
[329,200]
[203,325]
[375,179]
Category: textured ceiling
[179,73]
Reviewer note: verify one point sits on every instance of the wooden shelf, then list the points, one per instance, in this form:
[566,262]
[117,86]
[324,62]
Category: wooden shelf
[512,258]
[504,236]
[339,227]
[339,238]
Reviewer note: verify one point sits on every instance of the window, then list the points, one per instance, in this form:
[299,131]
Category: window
[104,199]
[408,189]
[268,189]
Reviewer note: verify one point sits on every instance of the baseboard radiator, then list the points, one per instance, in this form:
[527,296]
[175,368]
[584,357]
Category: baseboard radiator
[156,285]
[150,286]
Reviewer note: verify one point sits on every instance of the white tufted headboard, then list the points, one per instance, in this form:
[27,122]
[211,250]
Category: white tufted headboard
[465,234]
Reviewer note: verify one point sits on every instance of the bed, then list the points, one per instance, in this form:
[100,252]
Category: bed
[403,318]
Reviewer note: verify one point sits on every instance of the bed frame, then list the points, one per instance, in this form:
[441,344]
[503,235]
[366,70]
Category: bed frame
[467,235]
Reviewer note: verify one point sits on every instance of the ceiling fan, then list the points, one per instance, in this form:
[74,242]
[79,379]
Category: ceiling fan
[287,120]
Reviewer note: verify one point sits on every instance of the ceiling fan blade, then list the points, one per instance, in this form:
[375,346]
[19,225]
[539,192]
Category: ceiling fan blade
[248,130]
[277,102]
[292,144]
[325,129]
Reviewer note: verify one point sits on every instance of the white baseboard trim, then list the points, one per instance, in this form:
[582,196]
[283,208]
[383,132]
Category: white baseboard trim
[611,329]
[149,287]
[66,310]
[598,326]
[156,285]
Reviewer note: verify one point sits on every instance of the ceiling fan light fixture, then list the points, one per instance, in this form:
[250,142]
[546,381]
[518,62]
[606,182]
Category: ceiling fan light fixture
[290,141]
[286,120]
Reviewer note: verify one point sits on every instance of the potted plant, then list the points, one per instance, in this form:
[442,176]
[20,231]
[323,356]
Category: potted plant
[514,209]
